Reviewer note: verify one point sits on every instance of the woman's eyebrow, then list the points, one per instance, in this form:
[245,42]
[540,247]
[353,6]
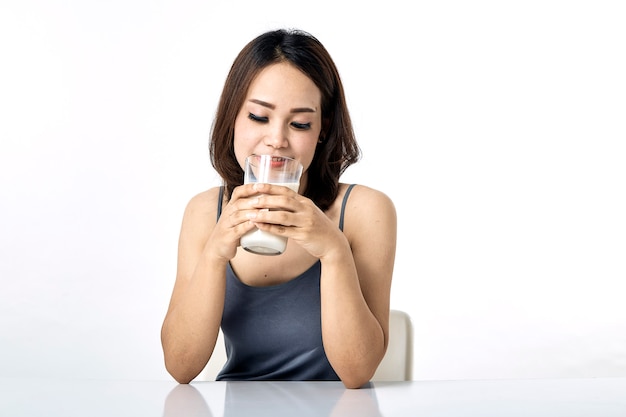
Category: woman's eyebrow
[273,107]
[263,103]
[303,110]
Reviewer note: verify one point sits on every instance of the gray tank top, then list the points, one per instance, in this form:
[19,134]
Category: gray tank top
[275,332]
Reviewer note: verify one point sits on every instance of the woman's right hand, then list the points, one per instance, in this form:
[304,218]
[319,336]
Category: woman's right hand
[234,222]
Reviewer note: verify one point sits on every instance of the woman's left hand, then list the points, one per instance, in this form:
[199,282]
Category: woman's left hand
[283,212]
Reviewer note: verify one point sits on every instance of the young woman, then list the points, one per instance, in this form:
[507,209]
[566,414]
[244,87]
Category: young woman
[320,310]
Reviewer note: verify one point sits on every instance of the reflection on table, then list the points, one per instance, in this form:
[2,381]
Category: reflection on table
[284,399]
[593,397]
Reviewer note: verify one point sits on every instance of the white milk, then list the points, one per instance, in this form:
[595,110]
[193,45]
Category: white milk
[262,242]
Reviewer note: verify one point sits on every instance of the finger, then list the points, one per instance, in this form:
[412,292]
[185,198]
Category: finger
[273,217]
[243,191]
[266,188]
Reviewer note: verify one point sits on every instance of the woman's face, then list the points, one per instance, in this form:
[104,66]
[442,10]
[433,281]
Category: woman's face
[281,115]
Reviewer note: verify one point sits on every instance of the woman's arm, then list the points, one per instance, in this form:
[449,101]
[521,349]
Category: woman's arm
[193,318]
[356,286]
[192,322]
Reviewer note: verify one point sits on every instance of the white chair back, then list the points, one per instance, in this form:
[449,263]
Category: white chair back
[397,364]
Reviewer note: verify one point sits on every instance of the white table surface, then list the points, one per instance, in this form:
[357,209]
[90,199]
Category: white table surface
[601,397]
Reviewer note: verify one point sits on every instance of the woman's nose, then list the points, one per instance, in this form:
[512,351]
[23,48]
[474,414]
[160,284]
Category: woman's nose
[276,137]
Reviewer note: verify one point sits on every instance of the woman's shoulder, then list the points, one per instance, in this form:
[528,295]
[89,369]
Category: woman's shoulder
[365,204]
[370,222]
[203,203]
[363,194]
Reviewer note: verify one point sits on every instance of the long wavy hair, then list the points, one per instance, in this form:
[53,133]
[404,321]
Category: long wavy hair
[338,148]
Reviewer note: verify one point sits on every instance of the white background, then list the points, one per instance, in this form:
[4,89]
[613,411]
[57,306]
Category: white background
[497,127]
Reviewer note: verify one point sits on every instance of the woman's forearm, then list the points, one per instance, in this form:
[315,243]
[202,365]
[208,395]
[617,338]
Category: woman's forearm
[192,322]
[354,340]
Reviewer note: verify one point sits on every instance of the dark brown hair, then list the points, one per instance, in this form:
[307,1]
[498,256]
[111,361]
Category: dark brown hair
[338,149]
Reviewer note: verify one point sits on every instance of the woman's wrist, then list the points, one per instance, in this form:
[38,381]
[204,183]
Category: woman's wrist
[338,253]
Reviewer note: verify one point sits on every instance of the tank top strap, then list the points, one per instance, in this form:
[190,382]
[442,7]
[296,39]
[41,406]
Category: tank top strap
[219,203]
[343,205]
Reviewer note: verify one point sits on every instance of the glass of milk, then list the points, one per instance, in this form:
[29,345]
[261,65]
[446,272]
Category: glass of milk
[278,170]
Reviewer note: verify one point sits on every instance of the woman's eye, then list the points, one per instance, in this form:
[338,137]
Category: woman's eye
[256,118]
[296,125]
[301,126]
